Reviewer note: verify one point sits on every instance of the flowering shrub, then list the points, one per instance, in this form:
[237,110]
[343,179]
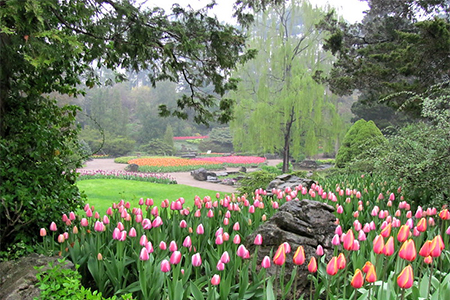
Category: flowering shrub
[118,174]
[384,249]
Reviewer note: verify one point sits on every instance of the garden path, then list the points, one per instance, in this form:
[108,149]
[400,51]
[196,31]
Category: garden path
[181,177]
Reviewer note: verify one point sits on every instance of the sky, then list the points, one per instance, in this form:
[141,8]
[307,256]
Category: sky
[352,10]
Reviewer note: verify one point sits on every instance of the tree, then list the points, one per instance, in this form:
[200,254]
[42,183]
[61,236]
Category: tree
[280,108]
[398,46]
[53,46]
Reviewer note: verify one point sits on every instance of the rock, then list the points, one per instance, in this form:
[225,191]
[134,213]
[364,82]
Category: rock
[286,180]
[308,164]
[200,174]
[243,169]
[18,278]
[307,223]
[132,168]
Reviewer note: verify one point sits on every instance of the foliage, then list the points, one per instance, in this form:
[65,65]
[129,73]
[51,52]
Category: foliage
[109,144]
[123,256]
[158,147]
[280,107]
[255,180]
[15,251]
[398,46]
[115,174]
[125,159]
[220,140]
[234,160]
[361,136]
[37,140]
[58,282]
[168,137]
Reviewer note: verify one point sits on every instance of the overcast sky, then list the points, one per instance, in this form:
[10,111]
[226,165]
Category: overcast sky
[350,9]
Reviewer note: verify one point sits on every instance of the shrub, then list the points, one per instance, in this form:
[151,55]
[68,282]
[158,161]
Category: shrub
[158,147]
[361,136]
[254,181]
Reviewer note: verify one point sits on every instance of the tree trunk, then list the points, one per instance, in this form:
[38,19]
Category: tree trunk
[287,141]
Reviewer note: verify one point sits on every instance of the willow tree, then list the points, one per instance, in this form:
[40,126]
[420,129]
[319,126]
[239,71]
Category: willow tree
[280,108]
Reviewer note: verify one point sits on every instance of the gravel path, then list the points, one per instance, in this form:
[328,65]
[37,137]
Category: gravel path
[181,177]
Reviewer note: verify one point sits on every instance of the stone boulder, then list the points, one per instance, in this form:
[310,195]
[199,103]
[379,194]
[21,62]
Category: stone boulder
[18,278]
[287,180]
[304,223]
[308,164]
[132,168]
[200,174]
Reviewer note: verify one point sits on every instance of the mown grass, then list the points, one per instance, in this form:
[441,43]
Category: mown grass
[103,192]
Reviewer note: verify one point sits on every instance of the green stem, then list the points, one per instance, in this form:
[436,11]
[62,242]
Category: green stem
[276,281]
[429,281]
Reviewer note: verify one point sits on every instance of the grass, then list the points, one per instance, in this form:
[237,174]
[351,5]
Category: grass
[103,192]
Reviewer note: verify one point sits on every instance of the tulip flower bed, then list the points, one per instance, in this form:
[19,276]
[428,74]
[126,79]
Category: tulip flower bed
[383,249]
[234,161]
[172,164]
[118,174]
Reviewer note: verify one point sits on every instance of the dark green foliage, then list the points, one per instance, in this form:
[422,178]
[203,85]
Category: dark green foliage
[361,136]
[57,282]
[255,180]
[219,141]
[39,139]
[158,147]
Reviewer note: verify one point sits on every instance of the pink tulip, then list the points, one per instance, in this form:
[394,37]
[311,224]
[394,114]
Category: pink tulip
[123,236]
[361,236]
[97,215]
[157,222]
[258,239]
[146,224]
[162,245]
[99,226]
[338,230]
[225,258]
[265,262]
[196,260]
[226,221]
[61,238]
[319,250]
[219,240]
[241,251]
[391,197]
[251,209]
[144,254]
[219,232]
[149,247]
[154,211]
[43,232]
[183,224]
[173,246]
[120,226]
[116,234]
[220,266]
[64,218]
[210,214]
[187,242]
[336,240]
[200,229]
[165,266]
[237,239]
[143,240]
[72,216]
[226,236]
[175,258]
[53,227]
[236,226]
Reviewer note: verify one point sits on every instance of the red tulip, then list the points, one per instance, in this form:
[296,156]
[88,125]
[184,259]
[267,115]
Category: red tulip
[371,274]
[332,266]
[348,240]
[406,278]
[358,279]
[422,225]
[444,214]
[378,244]
[386,231]
[408,250]
[367,266]
[388,249]
[299,256]
[312,265]
[425,249]
[280,256]
[341,261]
[403,233]
[435,247]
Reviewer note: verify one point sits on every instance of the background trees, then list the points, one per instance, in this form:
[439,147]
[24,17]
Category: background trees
[280,108]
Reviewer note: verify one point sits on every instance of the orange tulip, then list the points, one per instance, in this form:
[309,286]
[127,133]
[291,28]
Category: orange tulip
[444,214]
[312,265]
[422,225]
[388,249]
[425,249]
[280,256]
[332,266]
[341,261]
[408,250]
[378,244]
[386,230]
[403,233]
[371,275]
[299,256]
[435,247]
[428,260]
[348,240]
[406,278]
[358,279]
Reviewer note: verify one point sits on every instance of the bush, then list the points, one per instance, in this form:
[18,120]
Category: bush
[255,180]
[361,136]
[158,147]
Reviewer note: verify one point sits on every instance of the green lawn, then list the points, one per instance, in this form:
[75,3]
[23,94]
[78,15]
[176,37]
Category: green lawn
[103,192]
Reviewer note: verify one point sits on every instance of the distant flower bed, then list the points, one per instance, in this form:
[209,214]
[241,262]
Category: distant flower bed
[172,164]
[115,174]
[97,156]
[182,138]
[233,160]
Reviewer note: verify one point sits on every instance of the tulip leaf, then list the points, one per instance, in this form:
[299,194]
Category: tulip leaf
[196,292]
[269,291]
